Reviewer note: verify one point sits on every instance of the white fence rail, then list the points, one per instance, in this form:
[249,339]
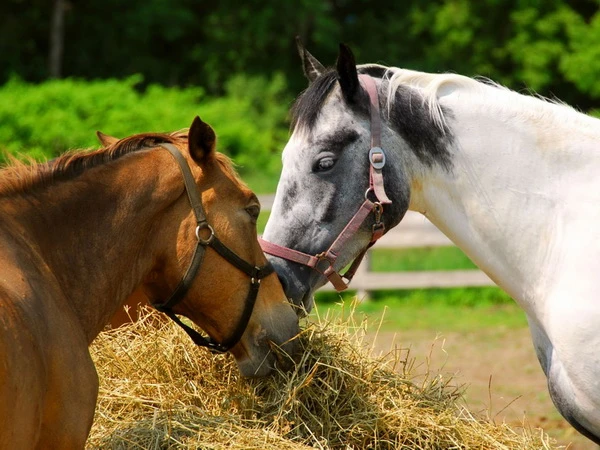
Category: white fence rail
[414,231]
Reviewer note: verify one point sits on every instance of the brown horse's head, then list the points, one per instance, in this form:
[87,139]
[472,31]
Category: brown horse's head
[217,295]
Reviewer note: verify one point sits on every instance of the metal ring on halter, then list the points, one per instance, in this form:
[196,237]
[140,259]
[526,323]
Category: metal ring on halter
[209,239]
[323,257]
[371,190]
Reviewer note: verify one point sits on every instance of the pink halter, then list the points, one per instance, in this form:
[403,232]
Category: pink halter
[324,262]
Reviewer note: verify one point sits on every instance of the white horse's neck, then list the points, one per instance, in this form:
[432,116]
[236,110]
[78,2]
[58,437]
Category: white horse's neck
[519,200]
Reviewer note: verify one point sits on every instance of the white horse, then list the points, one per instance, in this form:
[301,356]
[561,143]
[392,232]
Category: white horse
[513,180]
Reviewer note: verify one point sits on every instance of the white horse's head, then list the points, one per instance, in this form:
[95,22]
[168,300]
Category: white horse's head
[326,165]
[511,179]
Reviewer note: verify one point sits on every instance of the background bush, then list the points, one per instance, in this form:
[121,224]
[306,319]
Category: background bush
[236,65]
[43,120]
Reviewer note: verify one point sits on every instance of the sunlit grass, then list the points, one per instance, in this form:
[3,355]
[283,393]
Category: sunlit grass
[435,314]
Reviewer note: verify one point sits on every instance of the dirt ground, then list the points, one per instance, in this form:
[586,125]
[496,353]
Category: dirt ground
[500,371]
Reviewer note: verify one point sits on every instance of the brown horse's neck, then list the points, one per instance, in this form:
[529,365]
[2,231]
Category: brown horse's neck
[95,234]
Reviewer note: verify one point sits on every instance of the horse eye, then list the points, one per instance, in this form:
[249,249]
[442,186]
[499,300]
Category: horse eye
[253,211]
[324,164]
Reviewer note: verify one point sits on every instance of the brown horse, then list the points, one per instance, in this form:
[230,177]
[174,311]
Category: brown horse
[129,312]
[80,233]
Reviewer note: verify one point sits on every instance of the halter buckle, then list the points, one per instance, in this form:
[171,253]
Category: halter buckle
[378,211]
[255,278]
[377,158]
[323,256]
[210,238]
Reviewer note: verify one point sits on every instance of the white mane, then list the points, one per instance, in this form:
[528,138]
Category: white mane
[430,86]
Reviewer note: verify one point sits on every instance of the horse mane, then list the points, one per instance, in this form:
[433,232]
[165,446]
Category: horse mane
[26,177]
[307,107]
[429,86]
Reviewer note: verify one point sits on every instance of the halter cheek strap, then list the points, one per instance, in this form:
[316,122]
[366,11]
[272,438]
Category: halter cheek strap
[324,262]
[255,273]
[376,154]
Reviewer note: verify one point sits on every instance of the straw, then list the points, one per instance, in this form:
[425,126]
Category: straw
[159,391]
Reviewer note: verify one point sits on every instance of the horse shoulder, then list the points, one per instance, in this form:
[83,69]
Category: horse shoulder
[48,385]
[22,383]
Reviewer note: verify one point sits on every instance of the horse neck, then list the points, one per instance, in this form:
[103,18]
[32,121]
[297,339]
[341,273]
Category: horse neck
[516,181]
[93,235]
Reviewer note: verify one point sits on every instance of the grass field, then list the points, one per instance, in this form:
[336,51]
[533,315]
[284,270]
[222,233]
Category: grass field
[437,314]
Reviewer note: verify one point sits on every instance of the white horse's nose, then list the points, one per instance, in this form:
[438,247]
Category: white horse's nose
[294,280]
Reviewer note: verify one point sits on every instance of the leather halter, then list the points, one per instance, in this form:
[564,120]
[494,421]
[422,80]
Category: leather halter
[324,262]
[255,273]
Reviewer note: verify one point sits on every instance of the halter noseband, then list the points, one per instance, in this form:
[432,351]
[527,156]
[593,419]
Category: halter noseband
[255,273]
[324,262]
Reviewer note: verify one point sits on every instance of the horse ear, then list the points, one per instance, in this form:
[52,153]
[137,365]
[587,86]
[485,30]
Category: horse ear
[201,140]
[310,65]
[105,139]
[347,73]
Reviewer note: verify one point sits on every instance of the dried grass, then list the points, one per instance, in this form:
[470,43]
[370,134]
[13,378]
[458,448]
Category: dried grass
[158,391]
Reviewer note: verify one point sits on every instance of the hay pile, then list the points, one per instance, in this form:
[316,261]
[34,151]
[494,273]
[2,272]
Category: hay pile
[158,391]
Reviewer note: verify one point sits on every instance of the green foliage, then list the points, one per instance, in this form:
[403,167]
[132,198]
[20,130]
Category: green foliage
[581,63]
[437,314]
[538,43]
[57,115]
[546,45]
[250,121]
[43,120]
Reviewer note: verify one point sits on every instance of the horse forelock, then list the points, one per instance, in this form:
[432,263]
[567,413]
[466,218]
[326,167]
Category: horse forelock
[307,107]
[229,168]
[21,178]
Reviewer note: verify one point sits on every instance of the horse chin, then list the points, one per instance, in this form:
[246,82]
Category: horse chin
[260,352]
[263,362]
[304,305]
[251,368]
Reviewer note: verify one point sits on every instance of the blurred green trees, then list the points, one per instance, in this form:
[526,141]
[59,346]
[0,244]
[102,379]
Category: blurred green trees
[551,46]
[235,63]
[48,118]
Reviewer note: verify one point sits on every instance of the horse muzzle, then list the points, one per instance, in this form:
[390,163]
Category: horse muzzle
[298,283]
[261,352]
